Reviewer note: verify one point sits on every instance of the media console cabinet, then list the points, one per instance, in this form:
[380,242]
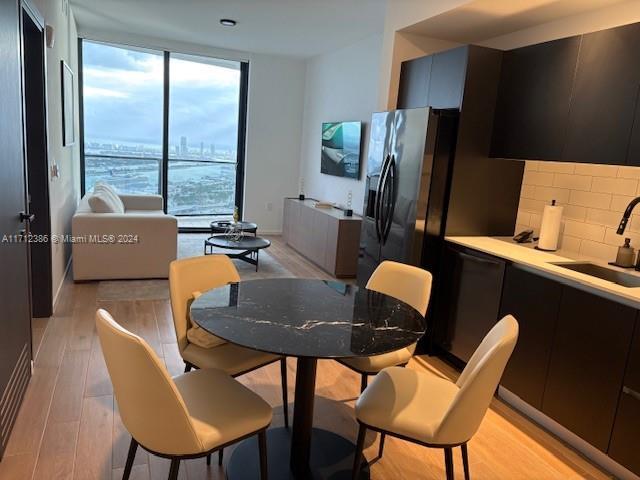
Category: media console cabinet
[323,235]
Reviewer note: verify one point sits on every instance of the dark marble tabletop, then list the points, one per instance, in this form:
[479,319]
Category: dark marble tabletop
[245,242]
[308,318]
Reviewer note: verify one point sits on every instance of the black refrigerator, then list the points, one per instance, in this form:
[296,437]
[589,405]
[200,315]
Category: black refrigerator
[409,172]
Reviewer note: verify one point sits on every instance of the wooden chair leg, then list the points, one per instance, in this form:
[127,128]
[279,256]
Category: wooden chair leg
[133,447]
[364,379]
[285,394]
[208,459]
[381,447]
[357,463]
[173,470]
[465,461]
[220,454]
[262,446]
[448,463]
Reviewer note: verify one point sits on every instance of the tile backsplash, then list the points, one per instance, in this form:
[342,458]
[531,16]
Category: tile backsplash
[593,197]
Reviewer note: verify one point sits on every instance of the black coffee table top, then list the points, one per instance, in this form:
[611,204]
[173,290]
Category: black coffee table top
[246,242]
[221,226]
[308,318]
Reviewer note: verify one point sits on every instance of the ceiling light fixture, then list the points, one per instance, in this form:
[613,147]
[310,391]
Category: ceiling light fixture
[227,22]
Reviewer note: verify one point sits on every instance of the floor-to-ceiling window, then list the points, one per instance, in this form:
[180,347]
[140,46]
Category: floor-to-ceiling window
[204,96]
[168,123]
[123,117]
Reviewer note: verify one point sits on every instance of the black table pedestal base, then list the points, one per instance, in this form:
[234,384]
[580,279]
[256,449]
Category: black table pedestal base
[331,458]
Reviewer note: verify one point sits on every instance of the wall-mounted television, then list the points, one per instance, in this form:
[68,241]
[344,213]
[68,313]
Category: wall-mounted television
[341,149]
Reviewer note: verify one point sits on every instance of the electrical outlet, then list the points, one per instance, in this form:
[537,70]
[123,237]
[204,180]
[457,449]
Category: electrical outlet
[269,206]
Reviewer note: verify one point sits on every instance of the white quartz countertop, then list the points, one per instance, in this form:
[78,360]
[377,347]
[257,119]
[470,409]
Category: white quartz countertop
[542,262]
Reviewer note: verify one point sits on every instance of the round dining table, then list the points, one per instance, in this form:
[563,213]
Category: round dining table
[309,320]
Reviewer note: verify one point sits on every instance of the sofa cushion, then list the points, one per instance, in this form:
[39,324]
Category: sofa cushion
[101,202]
[112,194]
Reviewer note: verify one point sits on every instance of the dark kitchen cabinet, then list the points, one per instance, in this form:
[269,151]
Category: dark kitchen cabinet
[534,301]
[586,369]
[633,155]
[436,81]
[413,91]
[604,96]
[448,73]
[470,300]
[532,109]
[626,430]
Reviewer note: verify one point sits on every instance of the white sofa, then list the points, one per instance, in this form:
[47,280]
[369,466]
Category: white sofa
[139,243]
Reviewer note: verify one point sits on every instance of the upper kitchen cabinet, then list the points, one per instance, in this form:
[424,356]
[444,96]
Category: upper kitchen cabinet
[604,97]
[533,100]
[448,77]
[434,81]
[415,75]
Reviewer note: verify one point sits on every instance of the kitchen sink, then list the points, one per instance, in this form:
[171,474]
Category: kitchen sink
[609,274]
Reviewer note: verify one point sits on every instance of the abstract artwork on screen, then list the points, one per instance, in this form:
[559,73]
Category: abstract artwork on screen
[341,149]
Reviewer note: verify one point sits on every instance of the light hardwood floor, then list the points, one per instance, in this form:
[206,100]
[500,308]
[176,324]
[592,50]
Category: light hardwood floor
[69,426]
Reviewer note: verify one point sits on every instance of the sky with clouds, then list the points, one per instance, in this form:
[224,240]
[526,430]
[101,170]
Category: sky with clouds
[123,94]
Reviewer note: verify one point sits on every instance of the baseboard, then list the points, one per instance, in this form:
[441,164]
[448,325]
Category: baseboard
[590,452]
[56,297]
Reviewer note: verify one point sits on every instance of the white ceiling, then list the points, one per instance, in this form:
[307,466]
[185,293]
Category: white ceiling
[481,20]
[300,28]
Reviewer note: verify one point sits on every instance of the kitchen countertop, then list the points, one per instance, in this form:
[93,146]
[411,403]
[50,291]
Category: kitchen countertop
[540,262]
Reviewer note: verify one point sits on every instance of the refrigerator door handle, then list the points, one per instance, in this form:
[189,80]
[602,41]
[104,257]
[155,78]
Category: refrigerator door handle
[390,188]
[377,213]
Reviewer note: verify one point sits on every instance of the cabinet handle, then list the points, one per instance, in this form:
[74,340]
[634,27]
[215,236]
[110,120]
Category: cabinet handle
[474,258]
[631,393]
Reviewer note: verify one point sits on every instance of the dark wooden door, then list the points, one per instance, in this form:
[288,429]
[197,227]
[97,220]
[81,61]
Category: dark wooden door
[413,91]
[633,154]
[590,348]
[15,314]
[35,114]
[604,96]
[626,430]
[532,110]
[448,73]
[534,301]
[471,300]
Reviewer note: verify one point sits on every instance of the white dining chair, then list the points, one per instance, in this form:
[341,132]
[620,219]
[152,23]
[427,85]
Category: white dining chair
[410,284]
[429,410]
[188,416]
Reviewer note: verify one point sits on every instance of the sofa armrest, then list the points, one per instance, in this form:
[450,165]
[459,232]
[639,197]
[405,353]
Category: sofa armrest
[142,202]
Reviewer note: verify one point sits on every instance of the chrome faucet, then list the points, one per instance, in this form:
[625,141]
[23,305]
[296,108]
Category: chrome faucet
[627,215]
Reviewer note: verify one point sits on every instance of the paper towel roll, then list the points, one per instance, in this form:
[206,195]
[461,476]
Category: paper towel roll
[550,227]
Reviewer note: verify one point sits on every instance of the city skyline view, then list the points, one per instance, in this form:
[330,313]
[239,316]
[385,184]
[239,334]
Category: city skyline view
[123,104]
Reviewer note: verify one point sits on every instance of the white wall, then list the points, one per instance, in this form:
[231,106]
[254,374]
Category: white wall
[274,122]
[63,191]
[341,85]
[274,130]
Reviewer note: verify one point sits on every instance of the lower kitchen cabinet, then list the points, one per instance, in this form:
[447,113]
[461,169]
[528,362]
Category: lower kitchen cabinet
[589,353]
[470,301]
[626,429]
[534,301]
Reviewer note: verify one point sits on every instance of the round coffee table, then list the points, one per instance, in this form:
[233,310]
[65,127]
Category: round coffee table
[307,319]
[221,226]
[250,247]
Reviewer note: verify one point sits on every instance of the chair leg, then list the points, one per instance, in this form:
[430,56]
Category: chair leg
[208,459]
[133,447]
[381,447]
[357,463]
[465,461]
[364,379]
[173,471]
[220,454]
[187,367]
[448,462]
[285,394]
[262,446]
